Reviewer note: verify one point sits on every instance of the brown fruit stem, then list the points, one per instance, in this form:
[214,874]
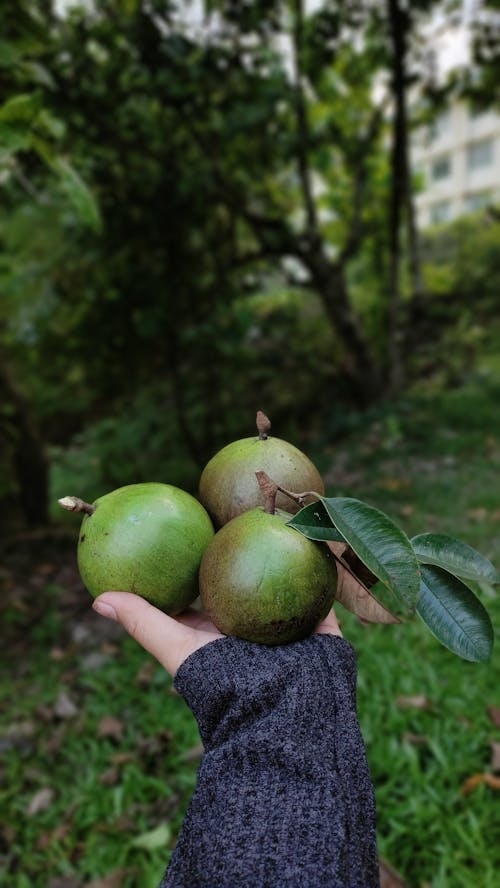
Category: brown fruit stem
[75,504]
[263,425]
[270,489]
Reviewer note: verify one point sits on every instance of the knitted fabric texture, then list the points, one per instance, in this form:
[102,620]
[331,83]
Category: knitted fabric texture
[284,796]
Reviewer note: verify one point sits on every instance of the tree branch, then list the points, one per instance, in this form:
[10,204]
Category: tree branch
[256,256]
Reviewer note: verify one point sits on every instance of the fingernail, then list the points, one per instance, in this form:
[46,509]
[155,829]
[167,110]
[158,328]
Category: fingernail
[104,609]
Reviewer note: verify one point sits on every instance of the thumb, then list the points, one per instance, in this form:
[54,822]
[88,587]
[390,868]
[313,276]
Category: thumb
[165,638]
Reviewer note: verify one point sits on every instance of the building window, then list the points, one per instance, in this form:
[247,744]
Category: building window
[440,212]
[477,201]
[441,168]
[480,154]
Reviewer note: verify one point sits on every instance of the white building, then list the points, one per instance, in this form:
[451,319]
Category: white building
[458,161]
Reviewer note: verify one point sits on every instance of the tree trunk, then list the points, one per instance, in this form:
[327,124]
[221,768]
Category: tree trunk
[177,389]
[302,122]
[30,462]
[398,27]
[327,277]
[329,280]
[416,306]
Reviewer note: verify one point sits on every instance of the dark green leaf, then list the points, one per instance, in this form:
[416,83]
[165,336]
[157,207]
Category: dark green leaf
[21,109]
[78,193]
[9,54]
[382,546]
[72,184]
[13,139]
[314,522]
[456,557]
[454,615]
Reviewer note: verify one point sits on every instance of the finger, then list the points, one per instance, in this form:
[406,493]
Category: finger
[330,625]
[197,620]
[165,638]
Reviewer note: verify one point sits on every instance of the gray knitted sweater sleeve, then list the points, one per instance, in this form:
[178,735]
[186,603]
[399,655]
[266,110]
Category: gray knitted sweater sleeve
[284,797]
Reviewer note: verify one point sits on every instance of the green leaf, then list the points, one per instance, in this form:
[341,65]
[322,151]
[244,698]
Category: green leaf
[50,125]
[16,119]
[75,188]
[13,139]
[21,109]
[382,546]
[78,193]
[456,557]
[34,72]
[9,54]
[155,838]
[454,615]
[314,522]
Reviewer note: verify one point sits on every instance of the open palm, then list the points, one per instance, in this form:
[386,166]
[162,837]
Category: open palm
[171,639]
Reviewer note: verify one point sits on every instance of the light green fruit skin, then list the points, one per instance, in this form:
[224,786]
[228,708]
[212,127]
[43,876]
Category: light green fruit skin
[228,485]
[263,581]
[148,539]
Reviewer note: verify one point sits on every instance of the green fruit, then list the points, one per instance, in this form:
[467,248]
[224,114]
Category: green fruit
[228,485]
[148,539]
[263,581]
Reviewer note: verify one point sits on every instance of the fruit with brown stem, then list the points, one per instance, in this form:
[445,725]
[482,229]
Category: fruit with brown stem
[228,486]
[262,580]
[144,538]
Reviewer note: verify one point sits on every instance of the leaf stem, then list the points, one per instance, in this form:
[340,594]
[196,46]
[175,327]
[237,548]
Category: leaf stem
[269,487]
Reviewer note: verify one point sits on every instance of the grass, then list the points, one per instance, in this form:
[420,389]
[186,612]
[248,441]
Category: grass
[116,758]
[116,765]
[432,463]
[421,757]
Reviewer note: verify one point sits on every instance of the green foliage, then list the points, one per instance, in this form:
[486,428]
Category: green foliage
[455,557]
[173,277]
[445,604]
[154,232]
[140,443]
[77,193]
[481,81]
[457,320]
[455,615]
[461,260]
[26,126]
[382,546]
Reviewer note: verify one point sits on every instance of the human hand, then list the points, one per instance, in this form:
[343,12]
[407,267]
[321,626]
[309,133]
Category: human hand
[171,639]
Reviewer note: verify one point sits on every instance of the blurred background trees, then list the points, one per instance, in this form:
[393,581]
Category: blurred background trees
[198,221]
[206,209]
